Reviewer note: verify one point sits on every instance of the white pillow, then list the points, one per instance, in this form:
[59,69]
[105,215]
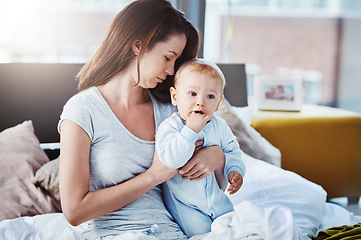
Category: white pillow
[245,114]
[250,141]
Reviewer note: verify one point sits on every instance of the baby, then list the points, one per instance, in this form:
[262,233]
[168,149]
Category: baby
[197,93]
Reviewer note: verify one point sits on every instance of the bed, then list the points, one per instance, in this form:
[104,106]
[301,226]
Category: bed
[272,204]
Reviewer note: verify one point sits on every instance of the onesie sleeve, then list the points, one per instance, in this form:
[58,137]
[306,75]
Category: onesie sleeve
[76,110]
[175,144]
[232,152]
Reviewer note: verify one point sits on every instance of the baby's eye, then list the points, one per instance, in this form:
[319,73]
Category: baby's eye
[193,94]
[211,96]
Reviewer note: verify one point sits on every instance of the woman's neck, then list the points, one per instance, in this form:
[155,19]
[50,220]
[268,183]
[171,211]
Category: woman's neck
[131,105]
[122,91]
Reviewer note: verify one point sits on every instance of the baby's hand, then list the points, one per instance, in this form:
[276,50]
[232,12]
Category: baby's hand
[236,180]
[196,121]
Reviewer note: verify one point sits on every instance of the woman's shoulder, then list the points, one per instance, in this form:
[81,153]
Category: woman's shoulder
[84,103]
[80,110]
[162,110]
[84,97]
[166,108]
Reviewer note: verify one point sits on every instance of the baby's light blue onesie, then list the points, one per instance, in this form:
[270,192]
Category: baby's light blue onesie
[195,204]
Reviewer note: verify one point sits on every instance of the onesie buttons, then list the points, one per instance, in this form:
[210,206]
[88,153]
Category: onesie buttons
[212,215]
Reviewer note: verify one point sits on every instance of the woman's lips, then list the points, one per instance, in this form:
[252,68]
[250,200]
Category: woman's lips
[160,80]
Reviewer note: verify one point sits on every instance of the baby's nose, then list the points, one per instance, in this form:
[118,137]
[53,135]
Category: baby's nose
[200,103]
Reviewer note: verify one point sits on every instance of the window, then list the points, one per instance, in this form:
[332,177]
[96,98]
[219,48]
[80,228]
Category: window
[66,31]
[313,38]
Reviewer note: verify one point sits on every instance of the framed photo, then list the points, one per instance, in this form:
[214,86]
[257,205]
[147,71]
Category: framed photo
[283,93]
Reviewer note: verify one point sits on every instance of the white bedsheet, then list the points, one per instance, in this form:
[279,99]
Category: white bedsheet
[272,204]
[246,222]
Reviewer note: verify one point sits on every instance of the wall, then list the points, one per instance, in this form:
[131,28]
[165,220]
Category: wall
[292,42]
[349,86]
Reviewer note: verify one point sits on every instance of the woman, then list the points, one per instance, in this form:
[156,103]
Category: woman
[109,173]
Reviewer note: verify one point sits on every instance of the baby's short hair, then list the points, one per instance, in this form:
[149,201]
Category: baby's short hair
[202,66]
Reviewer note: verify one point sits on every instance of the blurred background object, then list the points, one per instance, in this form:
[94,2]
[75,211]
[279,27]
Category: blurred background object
[319,39]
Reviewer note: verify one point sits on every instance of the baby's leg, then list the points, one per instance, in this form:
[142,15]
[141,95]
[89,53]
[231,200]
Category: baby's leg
[191,220]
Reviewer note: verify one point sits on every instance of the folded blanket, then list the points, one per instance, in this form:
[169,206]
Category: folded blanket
[345,232]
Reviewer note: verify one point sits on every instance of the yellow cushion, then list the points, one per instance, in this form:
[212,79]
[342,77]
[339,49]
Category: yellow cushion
[320,143]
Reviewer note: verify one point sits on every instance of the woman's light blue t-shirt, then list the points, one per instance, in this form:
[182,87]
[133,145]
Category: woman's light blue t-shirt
[116,155]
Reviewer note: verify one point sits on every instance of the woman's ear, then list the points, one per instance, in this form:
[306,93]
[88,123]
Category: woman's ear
[219,103]
[136,46]
[173,96]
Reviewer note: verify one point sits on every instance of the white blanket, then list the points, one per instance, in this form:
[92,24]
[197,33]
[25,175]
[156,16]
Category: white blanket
[268,186]
[250,222]
[272,204]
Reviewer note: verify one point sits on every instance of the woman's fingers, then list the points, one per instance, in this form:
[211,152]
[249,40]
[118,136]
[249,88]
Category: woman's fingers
[203,163]
[199,144]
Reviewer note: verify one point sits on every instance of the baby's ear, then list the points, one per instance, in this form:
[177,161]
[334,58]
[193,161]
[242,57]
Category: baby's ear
[220,100]
[173,96]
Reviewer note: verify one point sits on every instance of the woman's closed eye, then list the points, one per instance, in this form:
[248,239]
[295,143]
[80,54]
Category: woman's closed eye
[167,58]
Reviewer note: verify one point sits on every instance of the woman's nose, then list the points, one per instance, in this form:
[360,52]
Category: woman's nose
[170,69]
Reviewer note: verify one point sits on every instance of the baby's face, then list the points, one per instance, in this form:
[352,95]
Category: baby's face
[196,92]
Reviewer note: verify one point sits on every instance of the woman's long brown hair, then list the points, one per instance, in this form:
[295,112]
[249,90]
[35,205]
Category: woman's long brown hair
[151,21]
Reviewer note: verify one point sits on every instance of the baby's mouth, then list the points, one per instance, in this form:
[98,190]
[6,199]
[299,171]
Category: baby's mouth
[199,111]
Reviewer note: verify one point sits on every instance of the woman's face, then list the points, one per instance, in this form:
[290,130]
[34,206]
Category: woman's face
[159,62]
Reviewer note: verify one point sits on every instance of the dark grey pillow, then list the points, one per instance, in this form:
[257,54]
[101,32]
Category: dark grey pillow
[47,177]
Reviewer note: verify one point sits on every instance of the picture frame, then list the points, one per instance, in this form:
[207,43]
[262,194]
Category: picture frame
[278,93]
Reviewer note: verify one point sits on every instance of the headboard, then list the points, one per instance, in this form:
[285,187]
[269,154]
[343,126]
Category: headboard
[235,90]
[38,92]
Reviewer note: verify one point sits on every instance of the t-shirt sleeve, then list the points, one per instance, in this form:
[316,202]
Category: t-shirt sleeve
[76,110]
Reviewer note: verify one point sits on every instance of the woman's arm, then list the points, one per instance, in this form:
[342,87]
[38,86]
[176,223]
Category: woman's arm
[78,203]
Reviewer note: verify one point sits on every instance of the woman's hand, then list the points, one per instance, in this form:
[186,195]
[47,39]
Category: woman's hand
[159,171]
[203,163]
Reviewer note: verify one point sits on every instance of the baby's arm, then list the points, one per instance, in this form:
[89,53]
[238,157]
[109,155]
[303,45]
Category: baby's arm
[233,155]
[175,145]
[236,181]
